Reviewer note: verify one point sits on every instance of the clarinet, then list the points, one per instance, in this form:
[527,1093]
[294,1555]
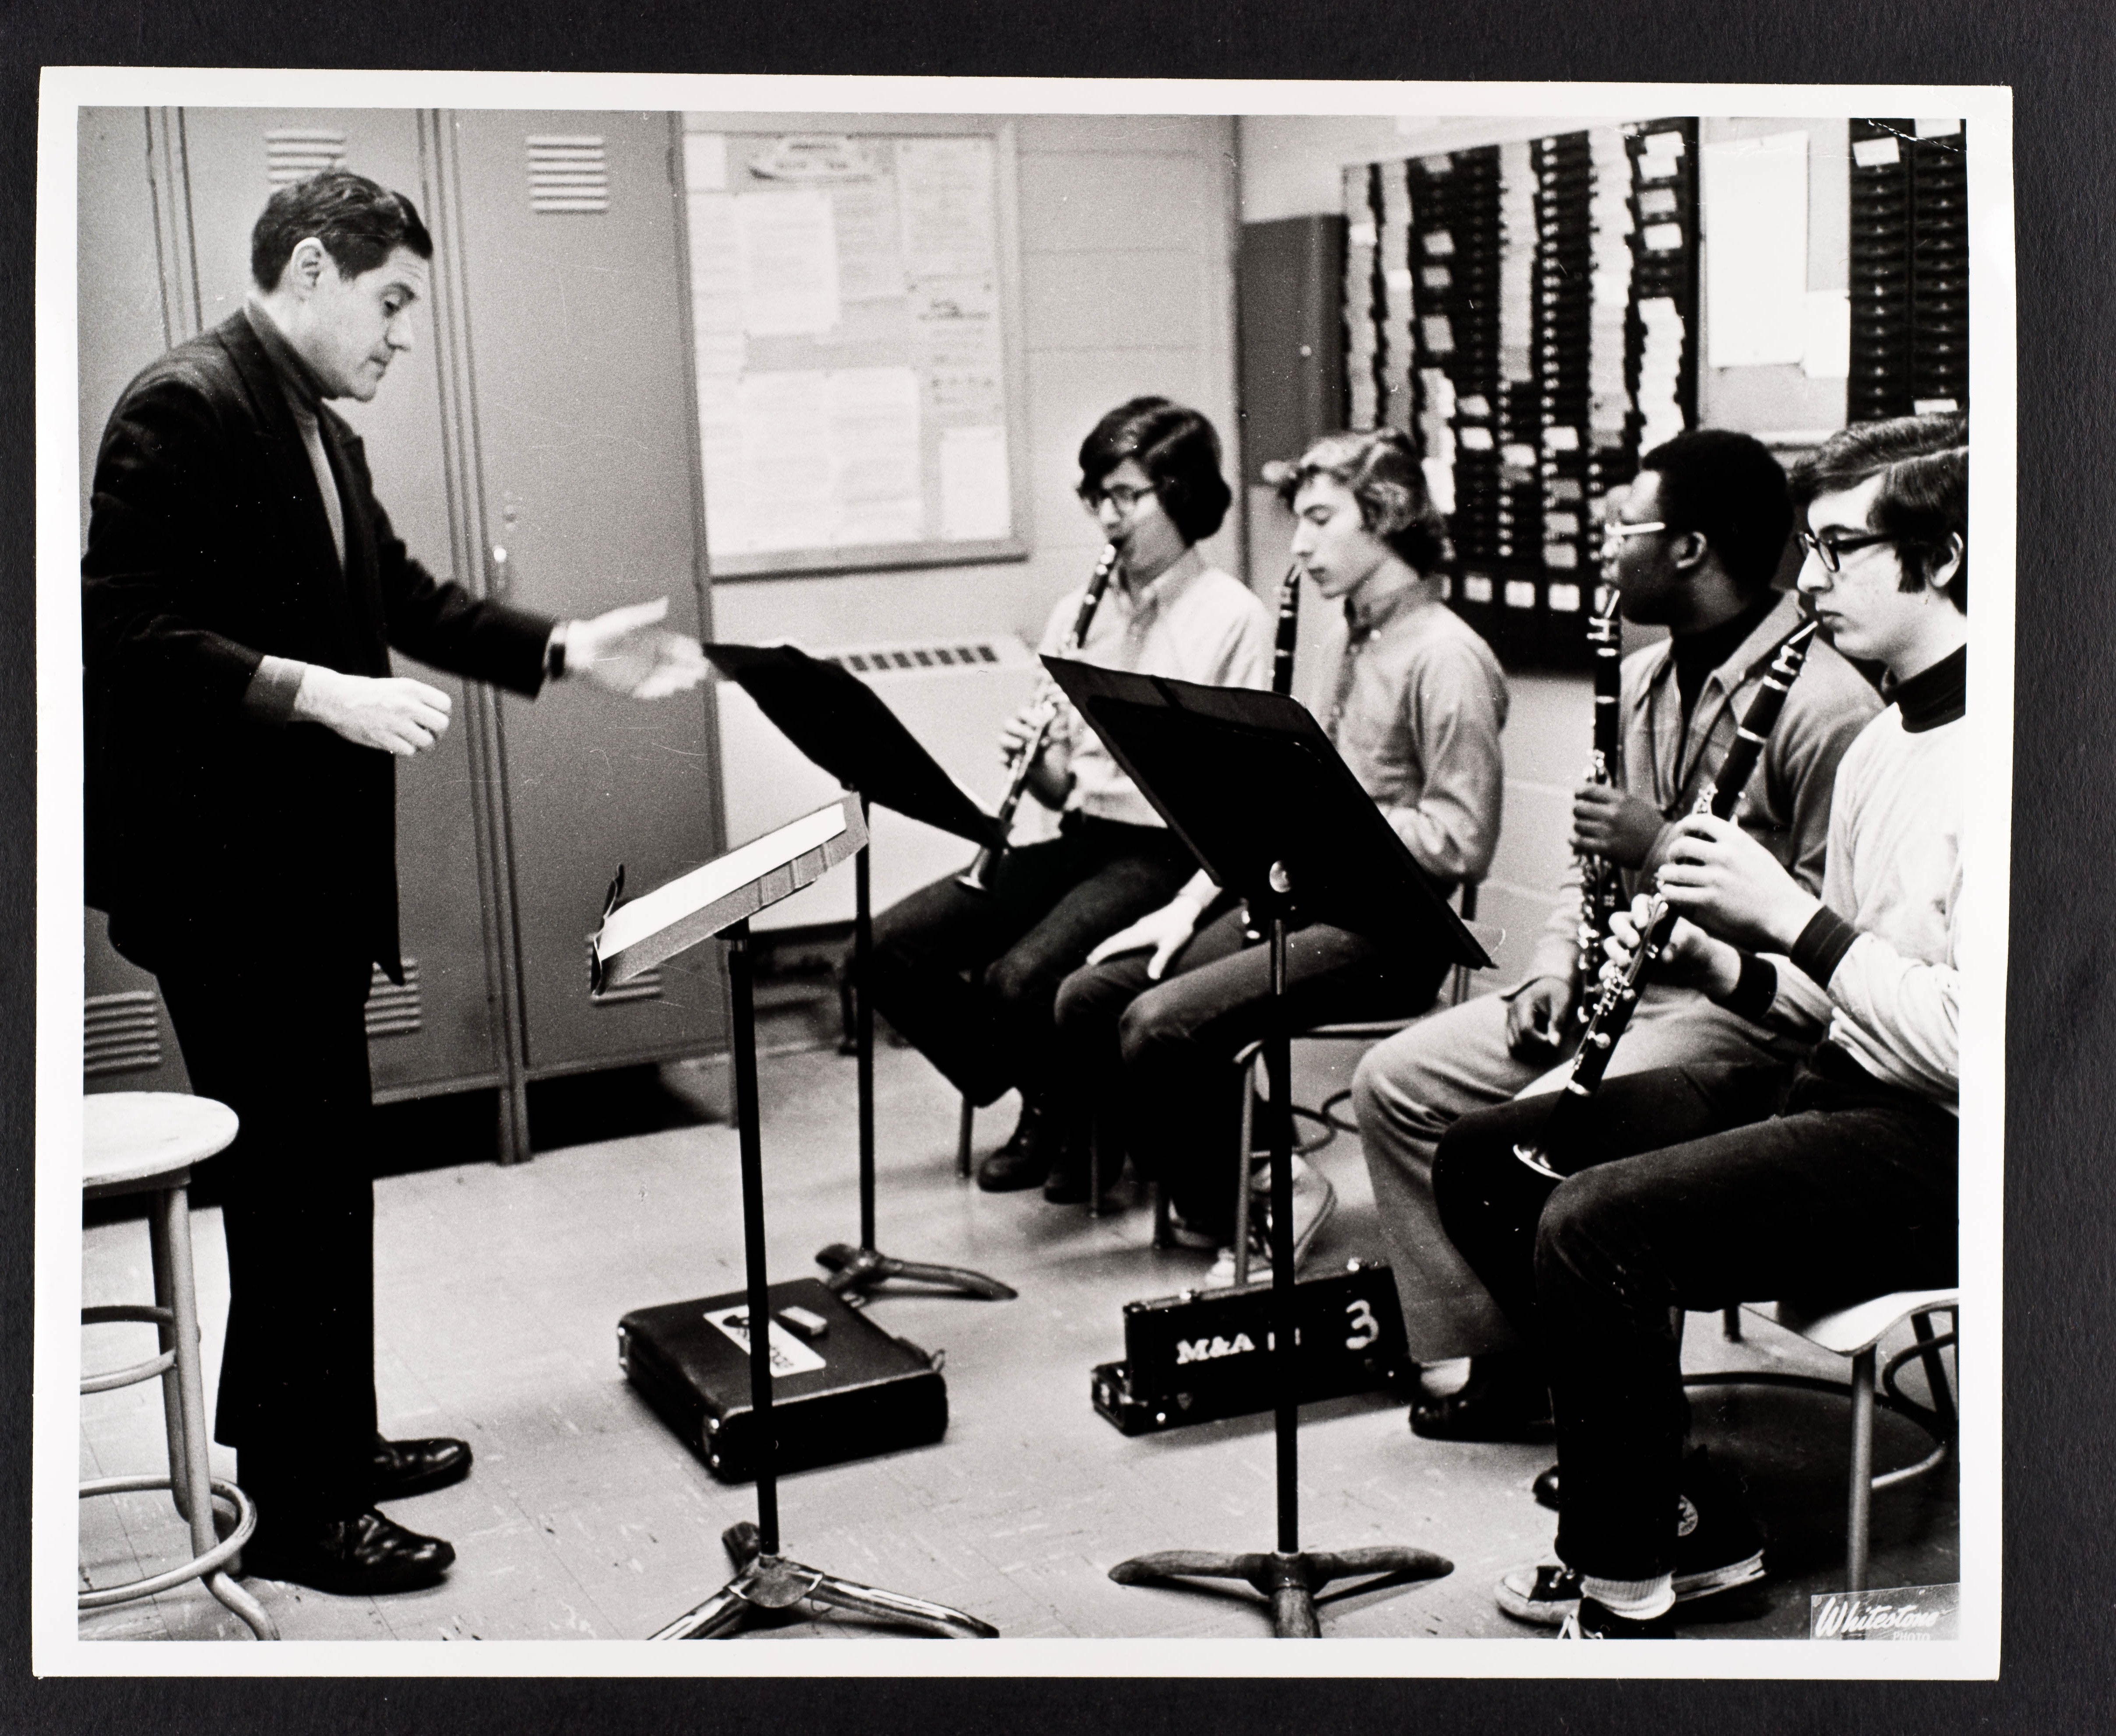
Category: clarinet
[1281,676]
[1620,996]
[978,877]
[1601,886]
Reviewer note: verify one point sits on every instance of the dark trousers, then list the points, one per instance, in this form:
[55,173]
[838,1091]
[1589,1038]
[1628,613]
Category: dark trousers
[1686,1191]
[968,978]
[279,1037]
[1157,1058]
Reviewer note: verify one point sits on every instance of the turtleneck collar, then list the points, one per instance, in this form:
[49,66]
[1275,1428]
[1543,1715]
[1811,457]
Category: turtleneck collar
[1936,695]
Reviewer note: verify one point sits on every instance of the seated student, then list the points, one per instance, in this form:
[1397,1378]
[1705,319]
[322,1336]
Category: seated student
[1152,1025]
[1693,547]
[1686,1191]
[968,977]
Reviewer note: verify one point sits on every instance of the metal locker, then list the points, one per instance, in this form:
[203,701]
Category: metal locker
[441,1031]
[128,1043]
[566,226]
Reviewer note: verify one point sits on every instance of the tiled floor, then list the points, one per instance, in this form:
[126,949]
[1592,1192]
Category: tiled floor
[499,1290]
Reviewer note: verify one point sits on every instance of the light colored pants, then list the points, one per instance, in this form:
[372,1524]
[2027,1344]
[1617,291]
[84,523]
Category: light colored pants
[1410,1090]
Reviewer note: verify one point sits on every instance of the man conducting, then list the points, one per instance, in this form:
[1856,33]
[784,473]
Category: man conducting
[242,589]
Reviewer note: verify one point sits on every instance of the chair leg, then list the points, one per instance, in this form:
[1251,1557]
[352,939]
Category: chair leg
[1248,1077]
[1860,1518]
[173,1215]
[1935,1374]
[962,1138]
[1730,1324]
[1161,1233]
[1095,1167]
[165,1332]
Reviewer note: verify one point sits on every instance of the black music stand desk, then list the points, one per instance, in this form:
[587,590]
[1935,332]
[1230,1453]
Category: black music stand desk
[1251,783]
[843,725]
[719,898]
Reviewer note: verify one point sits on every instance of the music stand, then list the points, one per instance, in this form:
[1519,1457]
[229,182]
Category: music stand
[719,898]
[1251,783]
[842,725]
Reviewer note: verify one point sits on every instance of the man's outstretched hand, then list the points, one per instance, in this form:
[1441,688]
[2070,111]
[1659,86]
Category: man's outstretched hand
[627,651]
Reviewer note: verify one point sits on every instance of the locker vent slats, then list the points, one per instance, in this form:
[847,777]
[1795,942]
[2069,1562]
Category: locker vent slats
[568,172]
[295,153]
[392,1011]
[122,1033]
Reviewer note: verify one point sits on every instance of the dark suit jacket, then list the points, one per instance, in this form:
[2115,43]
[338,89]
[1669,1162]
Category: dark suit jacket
[208,549]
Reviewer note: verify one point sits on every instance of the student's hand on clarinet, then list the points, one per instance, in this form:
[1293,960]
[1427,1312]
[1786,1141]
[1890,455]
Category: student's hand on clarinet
[1536,1016]
[1724,880]
[1614,825]
[1163,931]
[627,651]
[1691,958]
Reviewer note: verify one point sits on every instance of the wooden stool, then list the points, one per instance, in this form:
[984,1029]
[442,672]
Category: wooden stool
[145,1142]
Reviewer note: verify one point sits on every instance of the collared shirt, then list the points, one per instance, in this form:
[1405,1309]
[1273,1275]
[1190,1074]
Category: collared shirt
[1785,807]
[1194,622]
[1419,704]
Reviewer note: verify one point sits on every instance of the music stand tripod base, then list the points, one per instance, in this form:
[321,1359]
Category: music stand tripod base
[859,1269]
[1290,1581]
[770,1582]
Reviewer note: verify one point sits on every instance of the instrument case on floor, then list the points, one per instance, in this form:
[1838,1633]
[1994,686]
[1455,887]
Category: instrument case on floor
[1204,1354]
[845,1391]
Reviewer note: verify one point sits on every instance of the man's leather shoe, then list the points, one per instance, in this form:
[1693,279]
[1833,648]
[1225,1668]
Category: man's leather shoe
[363,1556]
[1544,1488]
[408,1468]
[1499,1401]
[1025,1159]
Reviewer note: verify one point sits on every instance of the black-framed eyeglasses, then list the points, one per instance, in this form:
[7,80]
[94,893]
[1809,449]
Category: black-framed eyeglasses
[1121,495]
[1830,551]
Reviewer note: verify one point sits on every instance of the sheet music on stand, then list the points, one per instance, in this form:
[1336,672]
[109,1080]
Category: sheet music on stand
[673,918]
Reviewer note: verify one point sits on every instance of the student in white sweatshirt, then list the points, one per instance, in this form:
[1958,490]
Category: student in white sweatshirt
[1700,1187]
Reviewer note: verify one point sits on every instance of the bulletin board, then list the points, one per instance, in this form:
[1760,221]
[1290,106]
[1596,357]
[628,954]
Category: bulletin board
[855,303]
[1527,312]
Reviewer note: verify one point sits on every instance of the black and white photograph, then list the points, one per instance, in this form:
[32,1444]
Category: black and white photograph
[1096,867]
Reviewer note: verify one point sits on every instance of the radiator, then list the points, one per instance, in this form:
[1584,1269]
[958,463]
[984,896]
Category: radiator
[952,694]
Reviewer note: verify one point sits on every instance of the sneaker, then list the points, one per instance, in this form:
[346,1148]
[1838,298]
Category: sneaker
[1716,1548]
[1590,1621]
[1314,1202]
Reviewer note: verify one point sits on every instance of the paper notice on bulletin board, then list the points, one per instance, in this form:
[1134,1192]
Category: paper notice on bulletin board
[855,394]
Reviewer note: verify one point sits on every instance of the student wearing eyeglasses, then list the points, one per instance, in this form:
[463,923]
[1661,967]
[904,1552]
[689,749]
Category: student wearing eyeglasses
[1691,546]
[969,978]
[1703,1186]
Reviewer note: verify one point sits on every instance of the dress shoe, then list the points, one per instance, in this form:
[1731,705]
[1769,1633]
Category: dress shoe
[361,1556]
[1503,1399]
[1544,1488]
[408,1468]
[1024,1161]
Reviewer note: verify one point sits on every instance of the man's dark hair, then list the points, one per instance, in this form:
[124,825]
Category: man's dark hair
[1922,505]
[360,224]
[1728,489]
[1177,448]
[1383,473]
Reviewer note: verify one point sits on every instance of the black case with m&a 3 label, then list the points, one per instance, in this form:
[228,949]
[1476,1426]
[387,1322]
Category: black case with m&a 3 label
[841,1388]
[1203,1354]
